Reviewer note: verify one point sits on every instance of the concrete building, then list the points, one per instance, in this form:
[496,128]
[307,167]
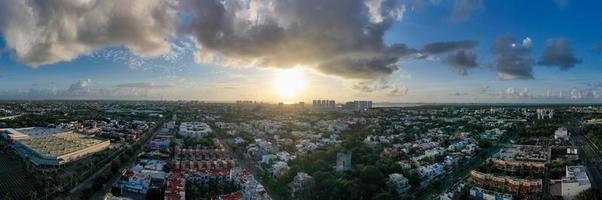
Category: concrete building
[504,185]
[176,184]
[343,162]
[358,105]
[246,102]
[545,113]
[324,104]
[561,134]
[480,193]
[27,133]
[521,158]
[55,149]
[574,182]
[144,176]
[194,129]
[362,105]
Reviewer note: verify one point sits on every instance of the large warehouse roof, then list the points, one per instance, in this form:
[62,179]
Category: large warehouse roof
[60,144]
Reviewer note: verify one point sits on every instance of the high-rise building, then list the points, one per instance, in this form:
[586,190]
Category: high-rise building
[545,113]
[324,104]
[358,105]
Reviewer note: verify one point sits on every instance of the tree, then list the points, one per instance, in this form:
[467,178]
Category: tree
[589,194]
[383,196]
[33,195]
[115,165]
[86,193]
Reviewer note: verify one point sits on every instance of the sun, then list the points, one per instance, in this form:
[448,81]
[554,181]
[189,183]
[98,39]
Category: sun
[289,83]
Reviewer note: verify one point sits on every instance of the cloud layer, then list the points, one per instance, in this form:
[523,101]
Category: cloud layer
[558,52]
[84,89]
[50,31]
[143,85]
[338,37]
[460,54]
[513,60]
[344,38]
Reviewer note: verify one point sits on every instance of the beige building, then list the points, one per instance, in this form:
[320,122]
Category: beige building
[53,149]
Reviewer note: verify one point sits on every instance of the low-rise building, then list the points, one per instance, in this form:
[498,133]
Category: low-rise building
[574,182]
[145,175]
[562,134]
[499,184]
[55,149]
[400,182]
[194,129]
[175,189]
[298,181]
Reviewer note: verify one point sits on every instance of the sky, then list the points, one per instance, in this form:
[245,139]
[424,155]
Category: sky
[401,51]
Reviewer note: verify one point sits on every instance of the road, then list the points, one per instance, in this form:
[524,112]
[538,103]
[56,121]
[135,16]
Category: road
[589,155]
[107,186]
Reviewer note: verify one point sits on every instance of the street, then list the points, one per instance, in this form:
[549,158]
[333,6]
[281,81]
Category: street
[589,156]
[115,177]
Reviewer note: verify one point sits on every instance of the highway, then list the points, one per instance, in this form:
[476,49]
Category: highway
[115,177]
[590,157]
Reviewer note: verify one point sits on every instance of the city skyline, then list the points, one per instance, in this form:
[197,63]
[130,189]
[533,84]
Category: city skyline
[467,51]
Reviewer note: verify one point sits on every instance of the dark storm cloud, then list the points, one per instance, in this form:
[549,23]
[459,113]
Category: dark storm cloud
[50,31]
[460,54]
[338,37]
[367,66]
[462,60]
[558,53]
[513,60]
[448,46]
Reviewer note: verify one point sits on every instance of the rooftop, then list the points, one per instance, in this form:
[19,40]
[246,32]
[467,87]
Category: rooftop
[31,132]
[60,144]
[532,153]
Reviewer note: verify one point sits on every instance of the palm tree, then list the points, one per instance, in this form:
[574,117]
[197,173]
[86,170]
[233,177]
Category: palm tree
[33,195]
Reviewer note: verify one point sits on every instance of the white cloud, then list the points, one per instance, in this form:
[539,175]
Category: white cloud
[398,90]
[50,31]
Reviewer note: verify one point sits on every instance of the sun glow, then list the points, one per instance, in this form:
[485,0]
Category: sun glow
[289,83]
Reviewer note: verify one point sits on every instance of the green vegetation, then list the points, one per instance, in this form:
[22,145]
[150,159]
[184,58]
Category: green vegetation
[206,142]
[589,194]
[368,180]
[593,132]
[197,190]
